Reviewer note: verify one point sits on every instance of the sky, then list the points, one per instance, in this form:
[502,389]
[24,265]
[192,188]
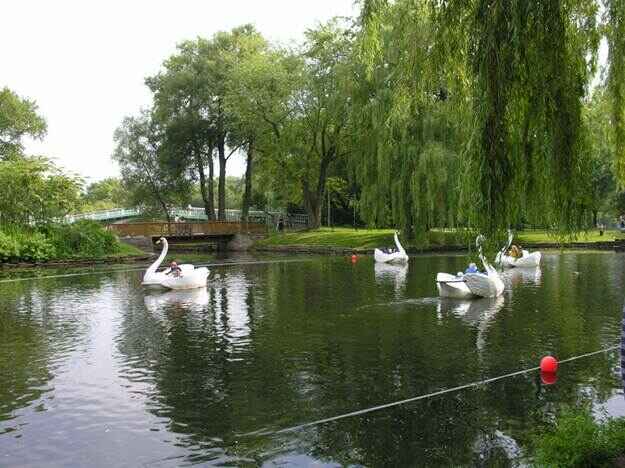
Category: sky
[84,62]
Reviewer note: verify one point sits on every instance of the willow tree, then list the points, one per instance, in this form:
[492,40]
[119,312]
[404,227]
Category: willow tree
[615,27]
[409,120]
[519,71]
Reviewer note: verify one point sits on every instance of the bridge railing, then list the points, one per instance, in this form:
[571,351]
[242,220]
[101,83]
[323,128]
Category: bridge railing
[212,228]
[271,219]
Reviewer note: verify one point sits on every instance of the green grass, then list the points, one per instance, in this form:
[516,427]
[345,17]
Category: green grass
[127,250]
[370,238]
[357,238]
[548,237]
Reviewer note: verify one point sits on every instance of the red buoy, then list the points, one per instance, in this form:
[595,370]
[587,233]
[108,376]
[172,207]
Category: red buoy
[548,364]
[548,378]
[354,258]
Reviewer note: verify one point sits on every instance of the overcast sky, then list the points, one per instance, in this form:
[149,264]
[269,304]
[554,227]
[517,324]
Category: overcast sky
[84,62]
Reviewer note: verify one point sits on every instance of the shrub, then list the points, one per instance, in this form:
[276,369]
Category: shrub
[25,246]
[577,440]
[82,239]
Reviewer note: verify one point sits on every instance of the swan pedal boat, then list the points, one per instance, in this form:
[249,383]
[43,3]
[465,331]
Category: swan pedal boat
[398,256]
[189,278]
[471,285]
[527,260]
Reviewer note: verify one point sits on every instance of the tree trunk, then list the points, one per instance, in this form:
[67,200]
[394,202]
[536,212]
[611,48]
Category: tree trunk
[211,187]
[208,202]
[247,194]
[313,199]
[221,191]
[594,218]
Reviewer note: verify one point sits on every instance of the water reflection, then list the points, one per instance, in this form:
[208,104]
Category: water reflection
[194,299]
[179,377]
[519,276]
[394,274]
[477,312]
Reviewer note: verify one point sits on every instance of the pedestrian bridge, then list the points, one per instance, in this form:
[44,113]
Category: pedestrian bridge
[187,230]
[269,218]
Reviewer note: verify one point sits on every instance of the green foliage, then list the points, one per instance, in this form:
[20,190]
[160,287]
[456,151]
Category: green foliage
[506,95]
[577,440]
[35,191]
[84,239]
[105,194]
[145,176]
[18,118]
[615,28]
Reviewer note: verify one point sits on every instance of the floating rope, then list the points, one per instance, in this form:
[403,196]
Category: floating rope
[421,397]
[128,270]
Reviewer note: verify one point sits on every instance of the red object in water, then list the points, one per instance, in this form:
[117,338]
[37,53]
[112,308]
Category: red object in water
[354,258]
[548,364]
[548,378]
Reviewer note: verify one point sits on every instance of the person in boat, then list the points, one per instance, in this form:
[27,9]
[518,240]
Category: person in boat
[515,251]
[174,269]
[472,268]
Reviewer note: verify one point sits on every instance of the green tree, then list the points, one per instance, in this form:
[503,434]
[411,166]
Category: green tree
[519,71]
[18,118]
[313,135]
[104,194]
[39,192]
[144,175]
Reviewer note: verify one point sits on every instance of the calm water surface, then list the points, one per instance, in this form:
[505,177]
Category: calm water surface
[96,371]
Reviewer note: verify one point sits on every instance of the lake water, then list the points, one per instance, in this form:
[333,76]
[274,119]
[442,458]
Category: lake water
[96,371]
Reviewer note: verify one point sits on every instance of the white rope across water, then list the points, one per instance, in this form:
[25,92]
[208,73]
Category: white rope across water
[128,270]
[423,397]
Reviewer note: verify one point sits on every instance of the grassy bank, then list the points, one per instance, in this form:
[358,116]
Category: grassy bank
[371,238]
[83,240]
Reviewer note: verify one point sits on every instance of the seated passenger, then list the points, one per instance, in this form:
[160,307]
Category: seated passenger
[472,268]
[174,269]
[516,252]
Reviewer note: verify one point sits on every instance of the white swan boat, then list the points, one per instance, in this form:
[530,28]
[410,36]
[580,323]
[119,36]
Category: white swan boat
[398,256]
[527,260]
[468,285]
[189,277]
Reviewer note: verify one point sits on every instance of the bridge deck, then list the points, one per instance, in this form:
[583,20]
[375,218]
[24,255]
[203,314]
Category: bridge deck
[187,230]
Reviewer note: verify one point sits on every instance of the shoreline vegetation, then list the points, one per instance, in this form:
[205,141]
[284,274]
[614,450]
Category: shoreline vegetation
[57,244]
[347,240]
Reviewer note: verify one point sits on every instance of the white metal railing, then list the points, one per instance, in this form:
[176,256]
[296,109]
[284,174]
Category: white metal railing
[196,213]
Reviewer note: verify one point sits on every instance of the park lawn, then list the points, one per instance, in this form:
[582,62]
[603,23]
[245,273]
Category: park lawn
[546,237]
[370,238]
[127,250]
[358,238]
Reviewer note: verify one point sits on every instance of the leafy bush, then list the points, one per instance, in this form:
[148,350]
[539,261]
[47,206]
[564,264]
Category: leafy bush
[25,247]
[84,239]
[577,440]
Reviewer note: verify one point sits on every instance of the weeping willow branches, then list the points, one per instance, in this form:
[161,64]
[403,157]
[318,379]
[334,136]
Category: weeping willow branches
[615,10]
[474,107]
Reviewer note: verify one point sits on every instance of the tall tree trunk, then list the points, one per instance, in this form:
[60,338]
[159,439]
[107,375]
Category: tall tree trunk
[208,202]
[211,186]
[221,191]
[247,194]
[313,198]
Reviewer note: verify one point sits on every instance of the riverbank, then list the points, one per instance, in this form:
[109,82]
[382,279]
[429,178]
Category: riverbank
[84,242]
[340,241]
[127,254]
